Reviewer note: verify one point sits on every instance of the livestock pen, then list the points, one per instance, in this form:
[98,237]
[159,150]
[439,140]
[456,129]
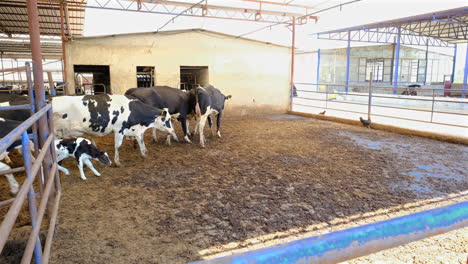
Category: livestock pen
[267,180]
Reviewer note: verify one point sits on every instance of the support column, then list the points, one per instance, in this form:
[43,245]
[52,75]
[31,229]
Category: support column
[425,58]
[39,91]
[454,61]
[465,73]
[397,62]
[64,52]
[318,69]
[293,47]
[348,54]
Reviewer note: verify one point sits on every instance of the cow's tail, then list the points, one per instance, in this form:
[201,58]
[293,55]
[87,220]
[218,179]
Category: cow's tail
[227,98]
[197,105]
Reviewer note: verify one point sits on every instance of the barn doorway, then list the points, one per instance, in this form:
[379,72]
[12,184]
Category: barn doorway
[145,76]
[192,76]
[92,79]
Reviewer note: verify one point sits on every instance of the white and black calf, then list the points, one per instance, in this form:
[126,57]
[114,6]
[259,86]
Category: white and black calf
[83,151]
[179,103]
[210,103]
[103,114]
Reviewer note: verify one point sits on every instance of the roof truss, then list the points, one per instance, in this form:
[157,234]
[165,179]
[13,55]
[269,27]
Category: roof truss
[440,29]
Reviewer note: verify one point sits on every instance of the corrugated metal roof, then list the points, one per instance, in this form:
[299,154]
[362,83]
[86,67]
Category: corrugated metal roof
[14,18]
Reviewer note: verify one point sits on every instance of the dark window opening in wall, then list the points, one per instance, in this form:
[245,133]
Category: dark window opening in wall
[376,67]
[193,76]
[145,76]
[92,79]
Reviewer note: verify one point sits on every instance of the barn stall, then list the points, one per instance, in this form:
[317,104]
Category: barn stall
[270,179]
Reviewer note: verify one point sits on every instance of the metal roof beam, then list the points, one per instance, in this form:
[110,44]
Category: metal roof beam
[194,10]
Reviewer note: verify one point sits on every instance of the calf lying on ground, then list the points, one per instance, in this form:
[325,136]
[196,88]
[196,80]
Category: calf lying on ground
[83,151]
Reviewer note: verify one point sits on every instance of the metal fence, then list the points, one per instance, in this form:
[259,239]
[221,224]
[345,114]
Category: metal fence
[43,163]
[388,105]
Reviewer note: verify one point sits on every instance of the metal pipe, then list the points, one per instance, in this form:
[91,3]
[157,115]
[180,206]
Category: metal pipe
[40,216]
[15,208]
[425,58]
[35,241]
[465,74]
[15,107]
[51,84]
[369,104]
[19,72]
[454,61]
[52,223]
[432,108]
[293,50]
[34,33]
[348,55]
[7,140]
[358,241]
[397,61]
[318,69]
[64,50]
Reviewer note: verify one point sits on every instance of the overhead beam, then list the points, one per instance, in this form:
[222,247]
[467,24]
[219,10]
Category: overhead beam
[278,3]
[194,10]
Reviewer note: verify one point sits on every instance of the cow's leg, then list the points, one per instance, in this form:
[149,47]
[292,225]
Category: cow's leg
[218,123]
[195,130]
[210,123]
[64,170]
[80,168]
[141,143]
[185,128]
[174,136]
[187,124]
[201,126]
[118,138]
[14,186]
[155,139]
[91,167]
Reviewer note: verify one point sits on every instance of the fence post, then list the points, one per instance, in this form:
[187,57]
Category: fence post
[432,108]
[326,96]
[369,104]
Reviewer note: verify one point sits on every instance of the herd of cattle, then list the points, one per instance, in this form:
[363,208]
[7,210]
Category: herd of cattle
[128,115]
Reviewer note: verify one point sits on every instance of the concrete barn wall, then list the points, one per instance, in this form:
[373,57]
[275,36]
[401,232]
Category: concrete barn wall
[256,74]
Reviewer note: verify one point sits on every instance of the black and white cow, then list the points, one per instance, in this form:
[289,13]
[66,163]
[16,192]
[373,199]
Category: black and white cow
[180,104]
[103,114]
[83,151]
[210,102]
[13,99]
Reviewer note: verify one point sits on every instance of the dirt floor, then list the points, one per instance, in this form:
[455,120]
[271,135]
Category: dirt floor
[267,180]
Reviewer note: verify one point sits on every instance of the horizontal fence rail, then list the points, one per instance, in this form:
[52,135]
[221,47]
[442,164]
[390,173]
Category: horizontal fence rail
[432,107]
[359,241]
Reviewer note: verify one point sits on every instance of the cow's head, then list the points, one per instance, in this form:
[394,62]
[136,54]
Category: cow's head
[97,154]
[163,122]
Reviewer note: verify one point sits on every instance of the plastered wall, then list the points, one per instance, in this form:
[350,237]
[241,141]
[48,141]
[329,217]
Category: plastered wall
[256,74]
